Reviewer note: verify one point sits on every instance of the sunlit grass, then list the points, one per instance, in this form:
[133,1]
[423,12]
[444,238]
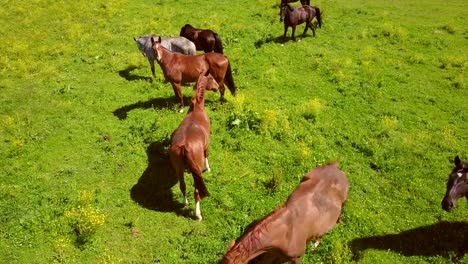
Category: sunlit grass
[381,89]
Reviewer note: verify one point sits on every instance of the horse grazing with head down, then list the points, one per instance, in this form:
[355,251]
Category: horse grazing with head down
[189,143]
[293,16]
[310,212]
[177,44]
[179,69]
[204,39]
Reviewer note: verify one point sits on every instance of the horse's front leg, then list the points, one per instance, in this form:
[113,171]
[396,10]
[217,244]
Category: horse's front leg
[178,94]
[285,31]
[151,62]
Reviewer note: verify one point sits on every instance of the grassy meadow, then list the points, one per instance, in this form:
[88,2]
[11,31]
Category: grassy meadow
[84,174]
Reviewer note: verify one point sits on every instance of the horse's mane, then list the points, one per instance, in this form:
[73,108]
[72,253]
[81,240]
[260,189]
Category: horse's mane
[254,231]
[199,95]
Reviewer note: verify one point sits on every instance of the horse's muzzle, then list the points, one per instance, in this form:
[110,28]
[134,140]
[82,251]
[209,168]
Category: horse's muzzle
[447,205]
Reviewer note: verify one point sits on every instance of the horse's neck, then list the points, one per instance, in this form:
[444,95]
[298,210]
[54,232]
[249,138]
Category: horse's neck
[166,58]
[260,239]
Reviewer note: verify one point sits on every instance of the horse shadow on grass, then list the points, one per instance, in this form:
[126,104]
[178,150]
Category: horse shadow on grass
[129,76]
[446,239]
[157,103]
[153,189]
[259,43]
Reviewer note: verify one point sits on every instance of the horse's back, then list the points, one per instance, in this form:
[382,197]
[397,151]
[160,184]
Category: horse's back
[318,200]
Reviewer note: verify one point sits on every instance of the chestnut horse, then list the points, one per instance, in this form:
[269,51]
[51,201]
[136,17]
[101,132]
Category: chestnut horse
[310,212]
[293,16]
[189,143]
[204,39]
[180,68]
[177,44]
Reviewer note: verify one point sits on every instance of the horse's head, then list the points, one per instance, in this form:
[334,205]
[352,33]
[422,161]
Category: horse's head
[208,82]
[157,47]
[282,13]
[457,185]
[284,10]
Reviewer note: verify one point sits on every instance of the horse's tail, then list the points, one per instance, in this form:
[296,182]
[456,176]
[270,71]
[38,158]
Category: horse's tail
[229,81]
[218,44]
[196,173]
[319,19]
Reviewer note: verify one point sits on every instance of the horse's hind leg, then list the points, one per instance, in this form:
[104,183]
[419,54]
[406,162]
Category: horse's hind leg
[198,215]
[293,31]
[183,188]
[311,25]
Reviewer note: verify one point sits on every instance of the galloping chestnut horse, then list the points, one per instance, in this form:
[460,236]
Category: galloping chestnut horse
[189,143]
[311,211]
[303,2]
[204,39]
[457,185]
[180,68]
[294,16]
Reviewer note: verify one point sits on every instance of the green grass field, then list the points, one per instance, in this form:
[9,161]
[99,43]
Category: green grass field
[84,175]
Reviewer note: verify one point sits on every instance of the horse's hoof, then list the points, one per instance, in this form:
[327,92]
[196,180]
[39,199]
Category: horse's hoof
[181,109]
[198,218]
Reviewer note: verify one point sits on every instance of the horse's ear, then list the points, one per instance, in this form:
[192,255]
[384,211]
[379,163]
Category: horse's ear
[457,161]
[152,40]
[159,39]
[134,38]
[231,244]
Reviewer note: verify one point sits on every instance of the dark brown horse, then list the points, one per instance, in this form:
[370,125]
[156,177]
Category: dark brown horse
[189,143]
[457,185]
[179,69]
[293,16]
[204,39]
[310,212]
[303,2]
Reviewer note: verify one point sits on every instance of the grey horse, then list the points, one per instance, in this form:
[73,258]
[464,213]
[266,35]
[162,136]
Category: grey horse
[175,44]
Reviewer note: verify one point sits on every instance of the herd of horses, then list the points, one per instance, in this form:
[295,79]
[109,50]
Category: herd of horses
[314,207]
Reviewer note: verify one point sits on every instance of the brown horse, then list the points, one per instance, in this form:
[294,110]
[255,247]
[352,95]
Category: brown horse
[204,39]
[180,68]
[311,211]
[457,185]
[293,16]
[189,143]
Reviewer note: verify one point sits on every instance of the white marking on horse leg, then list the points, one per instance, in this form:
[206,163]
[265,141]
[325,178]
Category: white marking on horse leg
[197,211]
[207,166]
[184,201]
[315,245]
